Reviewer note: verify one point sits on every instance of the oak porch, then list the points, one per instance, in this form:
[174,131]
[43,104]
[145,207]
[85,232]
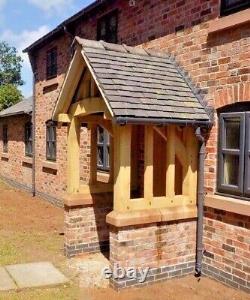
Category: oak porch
[176,147]
[183,149]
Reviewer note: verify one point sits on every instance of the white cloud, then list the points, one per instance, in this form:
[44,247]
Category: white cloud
[51,6]
[21,41]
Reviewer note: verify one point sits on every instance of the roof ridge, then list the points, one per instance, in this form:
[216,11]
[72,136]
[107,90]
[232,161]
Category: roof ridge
[121,48]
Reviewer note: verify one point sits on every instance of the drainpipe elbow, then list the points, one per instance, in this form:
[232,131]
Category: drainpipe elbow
[199,135]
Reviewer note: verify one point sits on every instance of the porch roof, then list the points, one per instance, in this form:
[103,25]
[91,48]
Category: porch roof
[142,84]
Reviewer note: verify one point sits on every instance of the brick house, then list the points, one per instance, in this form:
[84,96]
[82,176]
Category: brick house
[16,144]
[120,145]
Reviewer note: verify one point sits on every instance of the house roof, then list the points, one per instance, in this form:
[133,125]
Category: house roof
[141,84]
[20,108]
[62,27]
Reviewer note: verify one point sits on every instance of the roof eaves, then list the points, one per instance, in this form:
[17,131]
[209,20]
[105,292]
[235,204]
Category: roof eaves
[25,112]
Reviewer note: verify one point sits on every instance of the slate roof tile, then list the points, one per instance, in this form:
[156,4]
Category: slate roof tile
[23,107]
[138,82]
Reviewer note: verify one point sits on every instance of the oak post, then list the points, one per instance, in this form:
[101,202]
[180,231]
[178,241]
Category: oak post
[148,163]
[73,178]
[93,155]
[122,167]
[170,171]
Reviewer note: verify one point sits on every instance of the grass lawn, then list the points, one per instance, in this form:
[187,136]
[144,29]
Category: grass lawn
[31,231]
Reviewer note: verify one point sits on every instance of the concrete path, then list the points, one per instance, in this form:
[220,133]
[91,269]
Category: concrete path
[42,274]
[6,282]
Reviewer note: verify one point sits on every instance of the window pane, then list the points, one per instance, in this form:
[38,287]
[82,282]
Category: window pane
[53,145]
[231,169]
[100,135]
[230,6]
[232,133]
[53,133]
[107,28]
[100,157]
[103,29]
[107,137]
[233,2]
[107,157]
[52,63]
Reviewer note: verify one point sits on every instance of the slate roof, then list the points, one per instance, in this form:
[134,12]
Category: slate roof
[138,83]
[22,107]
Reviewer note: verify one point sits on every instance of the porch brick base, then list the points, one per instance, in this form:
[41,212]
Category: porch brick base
[155,275]
[167,248]
[71,251]
[86,230]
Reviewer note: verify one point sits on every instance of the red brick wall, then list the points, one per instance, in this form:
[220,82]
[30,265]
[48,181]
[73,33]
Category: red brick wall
[13,165]
[227,244]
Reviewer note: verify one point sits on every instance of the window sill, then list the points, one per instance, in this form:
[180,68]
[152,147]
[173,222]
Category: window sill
[51,81]
[50,165]
[103,176]
[241,207]
[5,155]
[230,21]
[28,160]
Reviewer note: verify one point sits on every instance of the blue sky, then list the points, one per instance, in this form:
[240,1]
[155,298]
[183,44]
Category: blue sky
[24,21]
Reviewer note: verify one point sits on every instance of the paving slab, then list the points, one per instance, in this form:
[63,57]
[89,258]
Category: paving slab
[36,275]
[6,282]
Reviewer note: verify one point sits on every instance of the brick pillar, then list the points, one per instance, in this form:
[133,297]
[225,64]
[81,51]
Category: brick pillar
[167,248]
[86,230]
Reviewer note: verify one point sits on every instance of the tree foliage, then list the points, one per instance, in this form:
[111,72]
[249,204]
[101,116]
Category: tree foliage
[9,95]
[10,65]
[10,76]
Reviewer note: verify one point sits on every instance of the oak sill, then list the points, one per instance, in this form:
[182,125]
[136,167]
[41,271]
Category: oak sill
[120,219]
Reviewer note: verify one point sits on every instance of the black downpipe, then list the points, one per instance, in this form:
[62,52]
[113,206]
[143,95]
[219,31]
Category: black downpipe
[34,140]
[33,65]
[200,200]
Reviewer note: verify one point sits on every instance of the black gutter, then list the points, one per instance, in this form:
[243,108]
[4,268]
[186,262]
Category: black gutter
[161,121]
[200,202]
[16,114]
